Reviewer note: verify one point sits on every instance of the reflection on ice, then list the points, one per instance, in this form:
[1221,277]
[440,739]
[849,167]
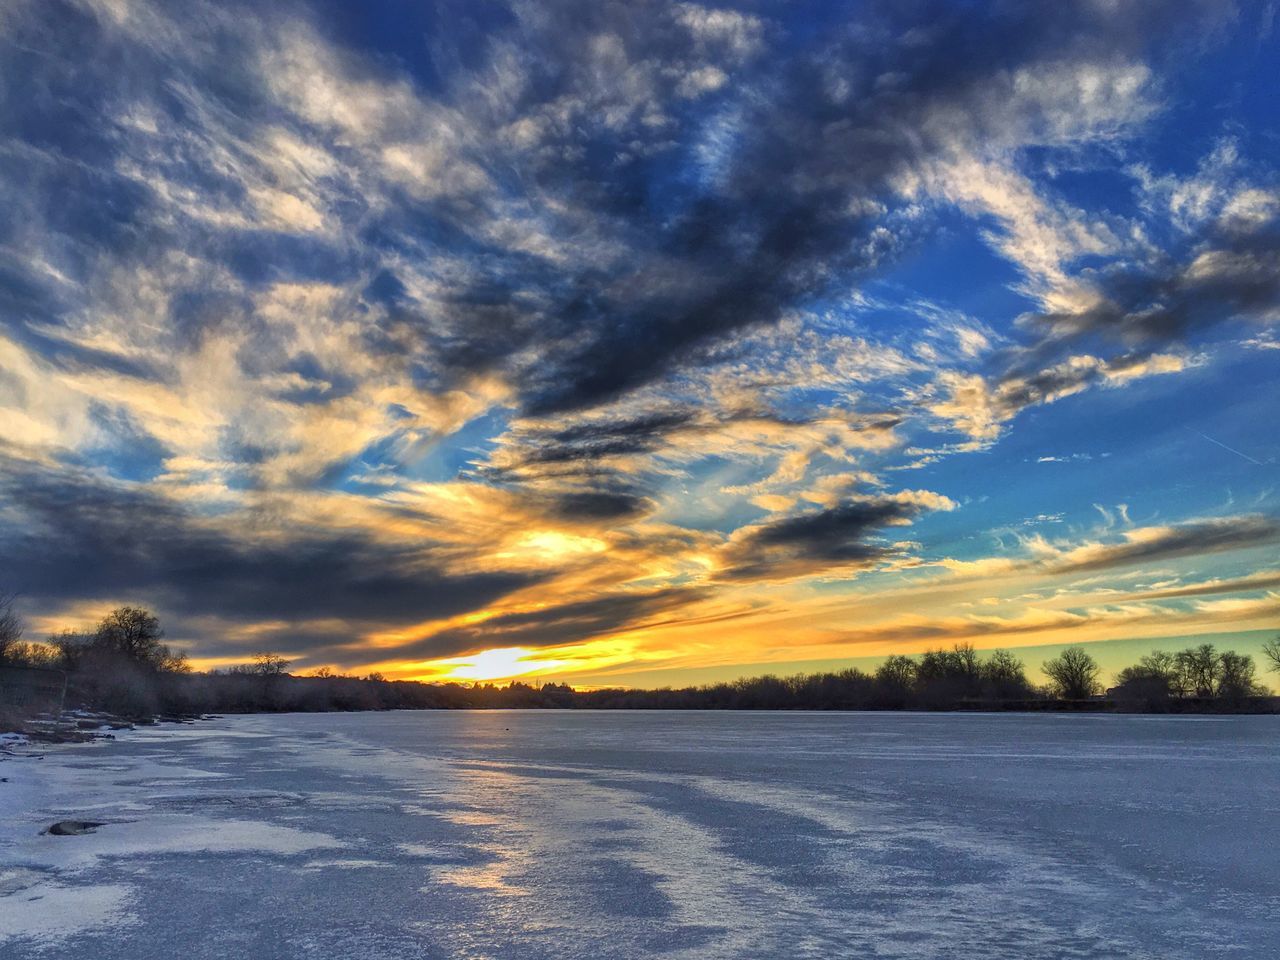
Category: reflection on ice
[701,836]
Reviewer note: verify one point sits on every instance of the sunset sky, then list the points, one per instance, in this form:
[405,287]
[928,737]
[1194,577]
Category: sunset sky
[652,343]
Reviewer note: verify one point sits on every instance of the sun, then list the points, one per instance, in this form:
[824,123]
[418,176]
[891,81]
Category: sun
[498,664]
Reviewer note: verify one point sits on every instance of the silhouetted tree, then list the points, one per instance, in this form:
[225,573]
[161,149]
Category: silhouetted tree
[944,677]
[73,648]
[1074,674]
[1004,677]
[1201,669]
[1145,684]
[1201,672]
[1156,670]
[133,633]
[10,625]
[897,672]
[1236,676]
[1271,650]
[964,659]
[171,661]
[1165,665]
[268,664]
[27,654]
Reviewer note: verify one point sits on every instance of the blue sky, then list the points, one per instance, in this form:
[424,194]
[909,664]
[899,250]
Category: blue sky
[640,340]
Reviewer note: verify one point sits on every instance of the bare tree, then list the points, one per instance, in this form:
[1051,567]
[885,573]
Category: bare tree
[268,664]
[1074,674]
[134,633]
[1236,676]
[897,672]
[172,661]
[1202,668]
[1004,677]
[965,660]
[1271,649]
[72,647]
[10,625]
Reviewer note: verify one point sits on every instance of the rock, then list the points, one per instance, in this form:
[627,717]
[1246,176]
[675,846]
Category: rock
[71,828]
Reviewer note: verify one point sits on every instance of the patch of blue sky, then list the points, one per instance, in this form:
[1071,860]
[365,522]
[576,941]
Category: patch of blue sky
[1143,445]
[697,501]
[957,269]
[399,36]
[126,451]
[1234,89]
[800,402]
[393,459]
[1103,191]
[460,452]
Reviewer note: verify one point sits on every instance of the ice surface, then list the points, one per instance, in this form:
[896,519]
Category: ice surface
[549,834]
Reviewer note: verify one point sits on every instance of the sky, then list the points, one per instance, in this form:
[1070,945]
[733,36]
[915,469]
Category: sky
[652,343]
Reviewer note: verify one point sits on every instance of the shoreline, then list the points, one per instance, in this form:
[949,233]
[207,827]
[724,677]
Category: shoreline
[78,726]
[85,726]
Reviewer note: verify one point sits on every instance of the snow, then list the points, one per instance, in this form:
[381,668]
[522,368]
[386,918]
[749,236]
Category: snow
[548,834]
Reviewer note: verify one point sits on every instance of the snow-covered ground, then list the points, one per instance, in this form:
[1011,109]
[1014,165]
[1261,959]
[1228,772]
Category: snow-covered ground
[614,835]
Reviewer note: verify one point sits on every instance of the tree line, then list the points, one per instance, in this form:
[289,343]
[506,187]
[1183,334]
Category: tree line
[124,667]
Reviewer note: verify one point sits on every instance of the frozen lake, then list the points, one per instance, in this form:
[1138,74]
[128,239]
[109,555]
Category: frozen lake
[614,835]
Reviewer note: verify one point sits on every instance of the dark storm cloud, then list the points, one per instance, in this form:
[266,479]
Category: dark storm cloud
[556,624]
[838,102]
[81,536]
[820,132]
[844,537]
[579,453]
[1227,276]
[633,434]
[604,505]
[303,644]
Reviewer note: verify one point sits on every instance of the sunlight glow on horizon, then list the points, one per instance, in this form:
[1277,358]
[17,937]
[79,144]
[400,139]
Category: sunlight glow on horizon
[499,663]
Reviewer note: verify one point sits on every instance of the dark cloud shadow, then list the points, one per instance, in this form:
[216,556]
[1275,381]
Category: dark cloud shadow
[83,536]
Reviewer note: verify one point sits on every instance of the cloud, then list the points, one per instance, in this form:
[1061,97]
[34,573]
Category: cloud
[1262,580]
[1154,544]
[561,282]
[981,409]
[556,624]
[1219,280]
[1067,458]
[840,539]
[1200,537]
[82,536]
[1220,266]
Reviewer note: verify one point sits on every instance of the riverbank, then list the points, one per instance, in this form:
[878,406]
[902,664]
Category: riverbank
[82,725]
